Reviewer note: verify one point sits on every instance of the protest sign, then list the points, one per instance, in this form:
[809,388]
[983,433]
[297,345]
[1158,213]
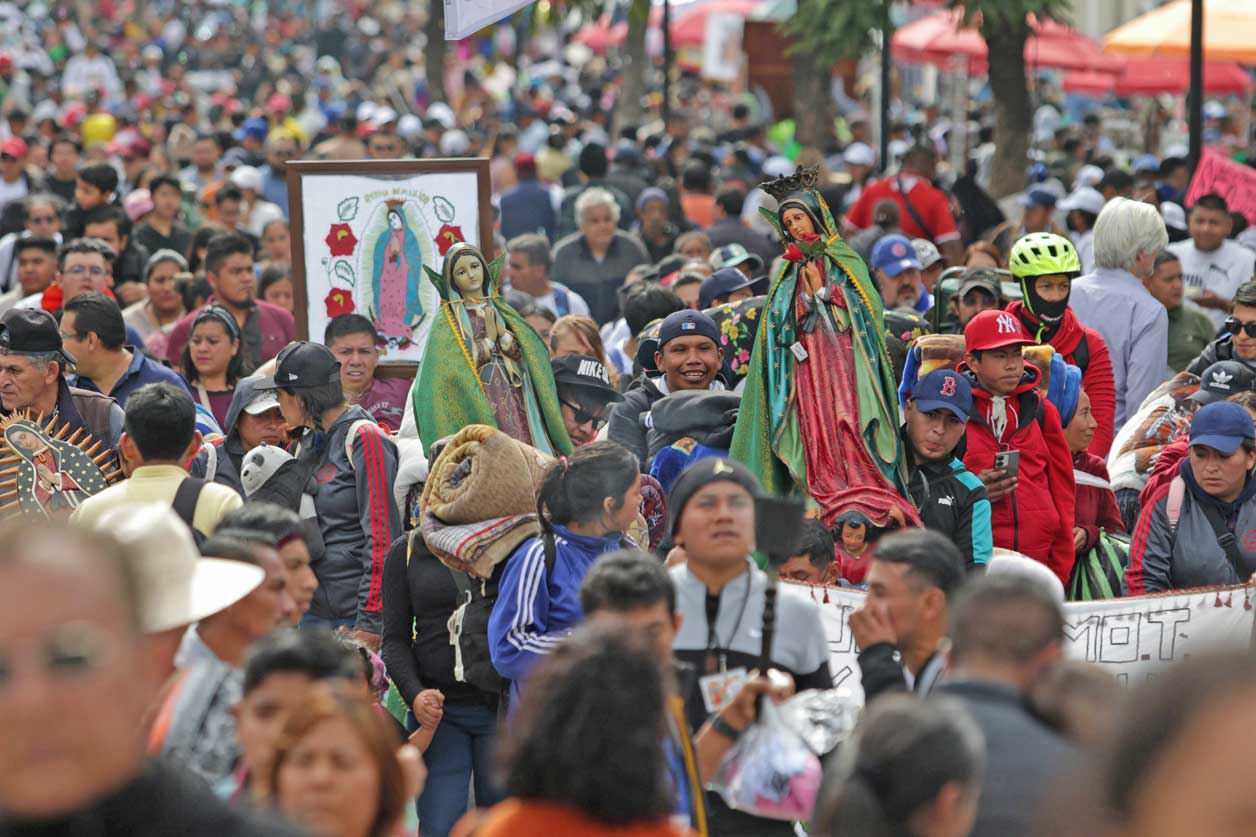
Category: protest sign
[1133,638]
[1232,181]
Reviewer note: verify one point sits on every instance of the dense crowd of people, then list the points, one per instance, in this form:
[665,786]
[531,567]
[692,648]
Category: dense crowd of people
[259,585]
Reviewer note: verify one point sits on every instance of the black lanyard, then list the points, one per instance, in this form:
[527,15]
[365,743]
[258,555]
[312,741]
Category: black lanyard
[713,643]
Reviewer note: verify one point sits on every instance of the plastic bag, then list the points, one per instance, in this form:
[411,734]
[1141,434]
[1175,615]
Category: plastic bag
[770,771]
[823,718]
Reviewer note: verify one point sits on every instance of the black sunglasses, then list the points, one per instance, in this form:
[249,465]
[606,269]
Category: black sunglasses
[1233,326]
[581,415]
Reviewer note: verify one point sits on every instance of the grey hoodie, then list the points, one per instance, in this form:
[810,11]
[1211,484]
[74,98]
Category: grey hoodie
[230,451]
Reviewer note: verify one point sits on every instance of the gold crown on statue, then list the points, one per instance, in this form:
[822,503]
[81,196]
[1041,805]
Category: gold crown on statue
[803,179]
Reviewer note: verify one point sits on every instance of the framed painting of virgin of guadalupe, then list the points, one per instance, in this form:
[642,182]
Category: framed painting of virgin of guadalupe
[363,232]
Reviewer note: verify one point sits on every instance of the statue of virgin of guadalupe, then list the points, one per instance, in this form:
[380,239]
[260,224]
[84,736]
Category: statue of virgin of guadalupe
[483,363]
[819,415]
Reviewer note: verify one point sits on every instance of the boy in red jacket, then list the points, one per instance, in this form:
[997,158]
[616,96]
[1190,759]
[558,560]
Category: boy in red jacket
[1031,507]
[1046,264]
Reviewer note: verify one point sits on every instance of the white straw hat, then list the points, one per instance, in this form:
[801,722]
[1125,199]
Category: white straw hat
[176,585]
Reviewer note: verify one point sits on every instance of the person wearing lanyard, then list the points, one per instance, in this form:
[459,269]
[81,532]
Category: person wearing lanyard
[720,596]
[213,360]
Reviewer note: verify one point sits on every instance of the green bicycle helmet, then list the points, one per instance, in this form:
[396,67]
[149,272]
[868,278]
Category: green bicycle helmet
[1043,254]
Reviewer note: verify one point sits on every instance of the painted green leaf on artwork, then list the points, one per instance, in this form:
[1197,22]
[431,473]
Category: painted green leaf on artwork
[444,209]
[344,271]
[347,209]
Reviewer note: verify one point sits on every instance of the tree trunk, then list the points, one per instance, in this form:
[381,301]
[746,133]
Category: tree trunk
[630,110]
[1012,117]
[813,102]
[434,52]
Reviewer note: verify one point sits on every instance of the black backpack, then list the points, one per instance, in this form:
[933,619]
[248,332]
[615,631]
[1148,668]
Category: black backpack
[468,627]
[184,504]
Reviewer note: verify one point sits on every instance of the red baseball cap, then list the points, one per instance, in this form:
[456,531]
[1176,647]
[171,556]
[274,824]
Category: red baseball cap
[14,147]
[995,329]
[279,102]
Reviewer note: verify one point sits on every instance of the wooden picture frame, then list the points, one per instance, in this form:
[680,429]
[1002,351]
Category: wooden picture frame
[360,226]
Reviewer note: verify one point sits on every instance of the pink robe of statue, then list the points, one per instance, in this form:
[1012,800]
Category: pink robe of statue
[392,287]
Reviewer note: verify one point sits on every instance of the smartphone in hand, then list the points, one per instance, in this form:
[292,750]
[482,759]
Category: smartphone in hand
[1007,461]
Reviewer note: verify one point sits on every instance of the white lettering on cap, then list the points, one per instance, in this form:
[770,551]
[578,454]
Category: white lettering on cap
[1007,325]
[593,369]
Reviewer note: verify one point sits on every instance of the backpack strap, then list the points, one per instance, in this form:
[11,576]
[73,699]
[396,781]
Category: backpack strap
[463,582]
[551,551]
[1225,538]
[352,435]
[185,499]
[1177,491]
[1081,355]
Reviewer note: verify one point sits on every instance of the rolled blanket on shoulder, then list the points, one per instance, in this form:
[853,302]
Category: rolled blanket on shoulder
[483,475]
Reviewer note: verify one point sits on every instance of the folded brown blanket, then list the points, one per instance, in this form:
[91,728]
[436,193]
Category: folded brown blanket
[476,548]
[482,475]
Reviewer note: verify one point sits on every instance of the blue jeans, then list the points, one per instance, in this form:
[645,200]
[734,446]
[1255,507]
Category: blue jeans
[462,747]
[309,620]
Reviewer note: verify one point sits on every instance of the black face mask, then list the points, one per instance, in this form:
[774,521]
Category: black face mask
[1048,313]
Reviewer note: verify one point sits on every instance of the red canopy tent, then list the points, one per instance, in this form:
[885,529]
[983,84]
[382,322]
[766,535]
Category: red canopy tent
[688,24]
[1088,82]
[940,37]
[1149,76]
[1173,75]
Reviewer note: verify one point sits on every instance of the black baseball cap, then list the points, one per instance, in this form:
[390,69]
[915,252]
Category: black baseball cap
[1223,379]
[587,376]
[302,365]
[31,331]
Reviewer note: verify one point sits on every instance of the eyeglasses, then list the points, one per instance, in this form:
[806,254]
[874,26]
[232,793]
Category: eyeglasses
[1233,326]
[978,297]
[72,335]
[581,415]
[8,158]
[93,271]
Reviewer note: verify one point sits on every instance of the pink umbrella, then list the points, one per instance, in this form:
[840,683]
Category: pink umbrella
[1173,75]
[939,37]
[601,35]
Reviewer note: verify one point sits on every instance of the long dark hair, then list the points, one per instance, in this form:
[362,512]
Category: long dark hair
[560,747]
[575,486]
[902,755]
[238,367]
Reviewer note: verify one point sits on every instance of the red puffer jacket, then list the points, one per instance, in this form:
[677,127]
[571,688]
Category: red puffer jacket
[1097,379]
[1037,518]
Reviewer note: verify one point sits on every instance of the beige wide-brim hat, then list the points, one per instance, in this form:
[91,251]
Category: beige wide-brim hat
[176,585]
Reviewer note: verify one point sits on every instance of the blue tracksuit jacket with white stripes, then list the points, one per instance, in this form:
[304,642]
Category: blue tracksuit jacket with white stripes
[536,610]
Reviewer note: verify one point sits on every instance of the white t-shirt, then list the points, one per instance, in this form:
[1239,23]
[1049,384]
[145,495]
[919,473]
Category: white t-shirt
[14,191]
[1220,271]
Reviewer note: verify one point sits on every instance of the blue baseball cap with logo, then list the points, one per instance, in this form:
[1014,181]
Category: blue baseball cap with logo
[1222,426]
[943,389]
[893,254]
[721,283]
[688,323]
